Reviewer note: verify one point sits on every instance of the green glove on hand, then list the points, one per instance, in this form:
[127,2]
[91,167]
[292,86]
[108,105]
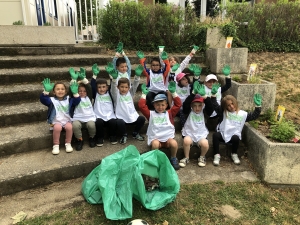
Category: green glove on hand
[47,85]
[119,48]
[215,88]
[257,99]
[109,68]
[82,73]
[192,68]
[95,69]
[74,75]
[144,89]
[196,85]
[139,70]
[226,70]
[164,55]
[197,70]
[195,48]
[74,88]
[175,67]
[201,90]
[140,54]
[114,74]
[172,87]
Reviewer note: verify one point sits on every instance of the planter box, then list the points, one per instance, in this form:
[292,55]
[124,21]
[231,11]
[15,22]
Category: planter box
[277,164]
[237,58]
[244,93]
[19,35]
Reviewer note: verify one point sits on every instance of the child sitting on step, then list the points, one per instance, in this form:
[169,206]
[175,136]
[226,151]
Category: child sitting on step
[231,123]
[58,110]
[161,130]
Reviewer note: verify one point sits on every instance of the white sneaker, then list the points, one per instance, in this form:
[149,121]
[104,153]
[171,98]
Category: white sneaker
[183,162]
[217,158]
[55,150]
[68,147]
[235,159]
[202,161]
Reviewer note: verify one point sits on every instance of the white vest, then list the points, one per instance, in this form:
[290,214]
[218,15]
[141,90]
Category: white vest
[160,127]
[218,97]
[232,124]
[103,107]
[125,109]
[62,111]
[183,93]
[122,75]
[195,126]
[84,111]
[156,82]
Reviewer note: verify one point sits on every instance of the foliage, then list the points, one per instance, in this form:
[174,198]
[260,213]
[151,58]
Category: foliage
[254,80]
[86,15]
[47,24]
[283,131]
[237,78]
[19,22]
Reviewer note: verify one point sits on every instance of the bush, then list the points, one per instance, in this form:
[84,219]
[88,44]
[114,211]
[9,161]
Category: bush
[19,22]
[283,131]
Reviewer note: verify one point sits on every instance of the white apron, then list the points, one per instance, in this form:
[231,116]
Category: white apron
[103,107]
[218,97]
[84,111]
[62,111]
[156,82]
[125,109]
[183,93]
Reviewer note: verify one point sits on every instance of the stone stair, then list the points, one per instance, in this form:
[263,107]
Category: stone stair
[26,142]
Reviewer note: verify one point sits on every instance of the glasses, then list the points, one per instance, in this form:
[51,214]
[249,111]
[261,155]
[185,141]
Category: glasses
[155,65]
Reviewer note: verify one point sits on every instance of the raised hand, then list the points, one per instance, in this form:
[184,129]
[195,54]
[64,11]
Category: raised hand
[257,99]
[164,55]
[201,90]
[144,89]
[192,67]
[195,87]
[82,73]
[226,70]
[175,67]
[195,48]
[109,68]
[74,87]
[74,75]
[119,48]
[140,54]
[95,69]
[215,88]
[47,85]
[139,70]
[172,87]
[114,74]
[197,70]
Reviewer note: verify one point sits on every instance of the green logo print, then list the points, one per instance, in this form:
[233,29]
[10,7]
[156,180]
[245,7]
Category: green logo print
[159,120]
[181,91]
[157,79]
[125,98]
[235,117]
[61,108]
[196,119]
[103,98]
[84,105]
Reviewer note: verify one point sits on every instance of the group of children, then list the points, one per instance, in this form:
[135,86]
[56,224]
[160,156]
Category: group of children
[167,93]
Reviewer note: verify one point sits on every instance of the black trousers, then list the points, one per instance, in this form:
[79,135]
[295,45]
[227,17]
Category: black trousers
[217,138]
[139,123]
[111,126]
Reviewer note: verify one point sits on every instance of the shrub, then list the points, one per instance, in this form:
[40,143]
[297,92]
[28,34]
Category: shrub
[19,22]
[283,131]
[47,24]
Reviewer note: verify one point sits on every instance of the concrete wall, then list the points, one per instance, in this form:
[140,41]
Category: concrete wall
[277,164]
[10,11]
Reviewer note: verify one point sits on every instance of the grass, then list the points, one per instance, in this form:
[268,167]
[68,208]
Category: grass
[198,204]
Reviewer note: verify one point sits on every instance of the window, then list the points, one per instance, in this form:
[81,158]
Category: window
[52,8]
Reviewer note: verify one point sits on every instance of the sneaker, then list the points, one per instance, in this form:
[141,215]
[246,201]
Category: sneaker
[113,140]
[123,140]
[99,142]
[235,159]
[55,150]
[138,137]
[216,161]
[79,144]
[202,161]
[68,147]
[174,162]
[92,142]
[183,162]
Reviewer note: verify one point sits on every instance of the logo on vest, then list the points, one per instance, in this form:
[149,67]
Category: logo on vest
[196,119]
[61,108]
[157,79]
[180,91]
[235,118]
[125,99]
[103,98]
[84,105]
[160,121]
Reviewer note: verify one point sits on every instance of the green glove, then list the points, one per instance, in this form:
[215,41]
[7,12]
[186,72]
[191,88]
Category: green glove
[74,75]
[192,68]
[197,70]
[144,89]
[119,48]
[74,88]
[47,85]
[175,67]
[114,74]
[140,54]
[195,48]
[172,87]
[82,74]
[257,99]
[139,70]
[226,70]
[201,90]
[109,68]
[95,69]
[196,87]
[164,55]
[215,88]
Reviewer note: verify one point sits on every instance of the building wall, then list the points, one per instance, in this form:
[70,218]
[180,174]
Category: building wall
[10,11]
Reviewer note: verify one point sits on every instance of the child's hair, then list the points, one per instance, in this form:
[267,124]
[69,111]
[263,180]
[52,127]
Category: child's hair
[59,82]
[229,98]
[123,80]
[175,58]
[101,81]
[155,59]
[188,79]
[120,60]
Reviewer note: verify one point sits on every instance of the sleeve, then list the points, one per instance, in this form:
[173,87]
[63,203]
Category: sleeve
[45,99]
[253,115]
[227,85]
[185,62]
[89,91]
[146,72]
[94,88]
[166,69]
[128,65]
[161,62]
[75,101]
[217,107]
[144,108]
[135,85]
[209,109]
[176,107]
[186,106]
[114,62]
[114,91]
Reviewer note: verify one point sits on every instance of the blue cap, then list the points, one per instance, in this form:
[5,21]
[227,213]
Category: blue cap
[159,97]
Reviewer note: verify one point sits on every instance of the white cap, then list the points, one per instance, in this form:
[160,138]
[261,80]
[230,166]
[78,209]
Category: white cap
[211,77]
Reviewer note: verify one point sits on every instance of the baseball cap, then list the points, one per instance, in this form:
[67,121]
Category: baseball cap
[180,76]
[159,97]
[198,98]
[211,77]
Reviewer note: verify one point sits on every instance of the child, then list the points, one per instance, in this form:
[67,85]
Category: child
[103,109]
[83,115]
[58,111]
[209,81]
[125,111]
[156,77]
[231,123]
[161,130]
[194,131]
